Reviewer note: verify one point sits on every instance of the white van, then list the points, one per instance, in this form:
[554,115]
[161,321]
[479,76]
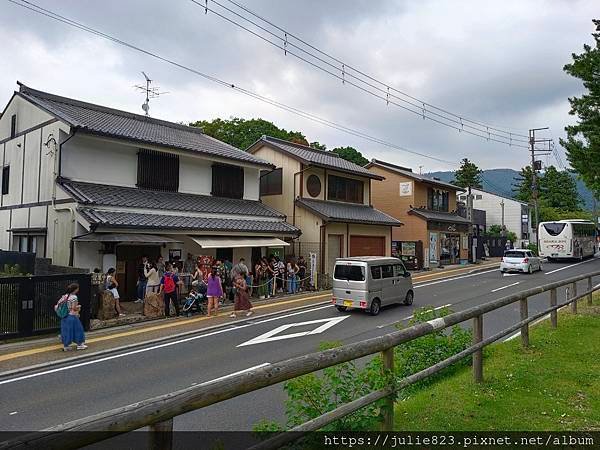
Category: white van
[370,282]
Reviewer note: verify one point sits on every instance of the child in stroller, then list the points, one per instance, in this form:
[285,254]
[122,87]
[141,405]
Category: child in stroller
[196,299]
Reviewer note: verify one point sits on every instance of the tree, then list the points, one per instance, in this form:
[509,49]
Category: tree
[522,187]
[559,190]
[583,138]
[468,176]
[242,133]
[318,146]
[351,154]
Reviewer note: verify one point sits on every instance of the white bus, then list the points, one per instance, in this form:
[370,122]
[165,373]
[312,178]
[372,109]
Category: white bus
[567,239]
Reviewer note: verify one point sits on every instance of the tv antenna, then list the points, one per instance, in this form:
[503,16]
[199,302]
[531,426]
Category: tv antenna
[150,91]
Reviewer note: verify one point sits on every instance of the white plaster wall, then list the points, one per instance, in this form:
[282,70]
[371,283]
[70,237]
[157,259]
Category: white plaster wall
[32,166]
[60,232]
[195,175]
[4,226]
[87,255]
[251,183]
[13,157]
[20,218]
[28,116]
[94,160]
[37,217]
[490,203]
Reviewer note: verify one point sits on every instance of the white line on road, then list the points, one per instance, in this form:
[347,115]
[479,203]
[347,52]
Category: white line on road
[445,280]
[411,316]
[505,287]
[239,372]
[568,267]
[13,413]
[154,347]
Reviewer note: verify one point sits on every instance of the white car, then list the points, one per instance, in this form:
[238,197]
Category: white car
[518,260]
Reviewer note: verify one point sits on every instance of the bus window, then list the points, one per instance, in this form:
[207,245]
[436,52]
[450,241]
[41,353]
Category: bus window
[554,229]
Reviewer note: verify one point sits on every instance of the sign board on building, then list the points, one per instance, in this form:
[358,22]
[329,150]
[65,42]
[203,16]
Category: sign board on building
[409,248]
[433,239]
[405,189]
[312,263]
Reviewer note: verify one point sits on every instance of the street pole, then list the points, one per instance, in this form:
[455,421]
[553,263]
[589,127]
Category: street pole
[534,183]
[502,206]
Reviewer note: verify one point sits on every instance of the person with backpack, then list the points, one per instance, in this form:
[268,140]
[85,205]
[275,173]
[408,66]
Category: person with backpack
[71,329]
[168,287]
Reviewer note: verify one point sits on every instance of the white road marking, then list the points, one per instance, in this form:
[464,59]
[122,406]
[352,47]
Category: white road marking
[274,335]
[445,280]
[510,274]
[13,413]
[572,265]
[535,322]
[154,347]
[411,316]
[505,287]
[239,372]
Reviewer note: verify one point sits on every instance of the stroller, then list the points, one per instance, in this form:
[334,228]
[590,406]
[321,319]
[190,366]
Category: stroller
[195,302]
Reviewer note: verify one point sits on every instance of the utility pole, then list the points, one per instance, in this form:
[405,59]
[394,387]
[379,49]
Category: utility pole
[502,206]
[535,166]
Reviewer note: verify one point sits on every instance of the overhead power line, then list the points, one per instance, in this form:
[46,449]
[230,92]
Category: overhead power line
[358,133]
[288,43]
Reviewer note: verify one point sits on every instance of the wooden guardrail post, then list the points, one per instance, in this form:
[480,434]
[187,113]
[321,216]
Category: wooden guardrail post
[553,314]
[590,287]
[478,355]
[161,435]
[573,295]
[388,409]
[525,328]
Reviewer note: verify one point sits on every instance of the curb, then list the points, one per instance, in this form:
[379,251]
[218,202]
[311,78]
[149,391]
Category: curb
[144,343]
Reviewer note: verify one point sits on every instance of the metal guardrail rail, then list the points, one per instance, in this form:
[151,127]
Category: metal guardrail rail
[158,412]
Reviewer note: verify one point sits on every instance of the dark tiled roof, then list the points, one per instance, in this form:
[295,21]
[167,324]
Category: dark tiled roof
[99,194]
[438,216]
[410,174]
[101,120]
[129,220]
[347,212]
[311,156]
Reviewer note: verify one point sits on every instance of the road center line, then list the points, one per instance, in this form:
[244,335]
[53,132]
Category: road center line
[568,267]
[154,347]
[505,287]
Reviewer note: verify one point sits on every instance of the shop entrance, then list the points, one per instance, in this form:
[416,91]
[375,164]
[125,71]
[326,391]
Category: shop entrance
[128,259]
[449,248]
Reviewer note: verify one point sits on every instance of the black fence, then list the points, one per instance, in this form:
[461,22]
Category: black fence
[26,261]
[27,303]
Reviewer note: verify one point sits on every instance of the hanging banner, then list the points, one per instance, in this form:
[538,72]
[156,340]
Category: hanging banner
[312,262]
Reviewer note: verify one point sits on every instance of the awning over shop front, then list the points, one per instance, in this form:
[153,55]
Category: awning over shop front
[235,242]
[130,238]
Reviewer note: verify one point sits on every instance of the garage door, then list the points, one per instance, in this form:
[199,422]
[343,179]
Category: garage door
[367,246]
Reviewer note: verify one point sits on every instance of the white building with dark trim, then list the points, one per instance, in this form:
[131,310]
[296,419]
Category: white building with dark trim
[92,187]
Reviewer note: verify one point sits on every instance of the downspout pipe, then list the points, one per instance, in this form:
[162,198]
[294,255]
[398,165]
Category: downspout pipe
[56,176]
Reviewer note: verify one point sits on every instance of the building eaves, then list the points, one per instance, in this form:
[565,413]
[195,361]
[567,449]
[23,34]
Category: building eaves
[347,212]
[438,216]
[410,174]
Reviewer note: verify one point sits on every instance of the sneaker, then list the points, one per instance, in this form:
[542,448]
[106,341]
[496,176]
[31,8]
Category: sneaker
[121,315]
[232,315]
[82,347]
[66,349]
[249,313]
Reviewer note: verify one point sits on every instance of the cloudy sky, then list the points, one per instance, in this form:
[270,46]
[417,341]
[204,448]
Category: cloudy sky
[499,62]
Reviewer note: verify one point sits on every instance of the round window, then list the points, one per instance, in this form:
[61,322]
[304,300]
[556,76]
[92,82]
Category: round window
[313,185]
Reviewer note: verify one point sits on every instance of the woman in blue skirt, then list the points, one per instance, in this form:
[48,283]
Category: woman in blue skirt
[71,330]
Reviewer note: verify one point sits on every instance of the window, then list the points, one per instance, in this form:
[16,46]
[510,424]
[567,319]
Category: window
[227,181]
[438,200]
[350,273]
[399,270]
[13,126]
[5,179]
[345,189]
[376,272]
[387,271]
[158,171]
[271,182]
[30,244]
[554,229]
[313,186]
[478,197]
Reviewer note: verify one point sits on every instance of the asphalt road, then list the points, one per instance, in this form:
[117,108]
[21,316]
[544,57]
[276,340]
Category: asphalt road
[37,400]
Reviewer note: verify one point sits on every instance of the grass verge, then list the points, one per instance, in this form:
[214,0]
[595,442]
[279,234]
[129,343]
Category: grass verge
[552,386]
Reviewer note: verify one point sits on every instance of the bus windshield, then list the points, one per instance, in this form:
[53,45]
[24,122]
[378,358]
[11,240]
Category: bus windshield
[554,228]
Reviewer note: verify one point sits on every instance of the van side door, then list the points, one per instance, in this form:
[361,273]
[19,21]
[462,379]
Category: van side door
[389,294]
[401,280]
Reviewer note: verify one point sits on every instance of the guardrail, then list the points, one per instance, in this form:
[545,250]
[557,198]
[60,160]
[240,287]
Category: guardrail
[158,412]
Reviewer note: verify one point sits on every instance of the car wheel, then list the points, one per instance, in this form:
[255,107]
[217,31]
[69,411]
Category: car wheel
[409,298]
[341,308]
[375,307]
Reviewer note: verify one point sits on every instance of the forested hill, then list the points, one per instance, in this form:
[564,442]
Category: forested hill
[501,182]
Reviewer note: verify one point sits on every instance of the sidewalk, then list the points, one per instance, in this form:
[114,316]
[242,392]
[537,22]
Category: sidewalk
[28,352]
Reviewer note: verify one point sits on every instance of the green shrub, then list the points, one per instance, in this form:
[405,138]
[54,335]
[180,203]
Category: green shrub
[312,395]
[533,248]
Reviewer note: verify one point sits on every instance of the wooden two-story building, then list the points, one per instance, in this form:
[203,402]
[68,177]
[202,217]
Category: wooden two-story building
[328,198]
[95,187]
[428,209]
